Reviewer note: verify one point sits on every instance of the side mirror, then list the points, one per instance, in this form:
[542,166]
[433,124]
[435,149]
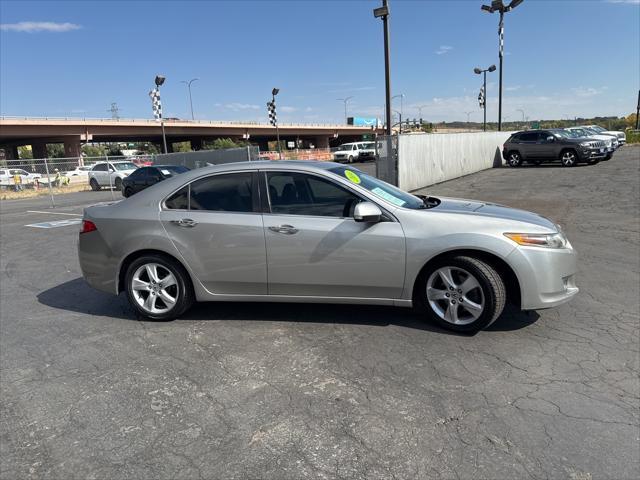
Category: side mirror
[551,138]
[367,212]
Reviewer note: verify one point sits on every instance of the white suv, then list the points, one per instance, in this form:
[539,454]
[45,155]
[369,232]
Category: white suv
[621,136]
[110,174]
[610,142]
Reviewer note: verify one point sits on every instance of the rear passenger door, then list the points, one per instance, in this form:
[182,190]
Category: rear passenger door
[99,172]
[528,145]
[216,224]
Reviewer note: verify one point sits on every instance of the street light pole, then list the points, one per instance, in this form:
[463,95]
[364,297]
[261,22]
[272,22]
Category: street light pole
[478,71]
[345,100]
[401,95]
[159,80]
[498,6]
[274,92]
[188,83]
[383,12]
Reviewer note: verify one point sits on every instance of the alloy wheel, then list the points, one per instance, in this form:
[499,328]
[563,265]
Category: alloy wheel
[568,159]
[514,160]
[455,295]
[154,288]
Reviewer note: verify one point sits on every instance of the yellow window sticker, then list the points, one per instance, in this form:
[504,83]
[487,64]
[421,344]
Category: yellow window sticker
[352,176]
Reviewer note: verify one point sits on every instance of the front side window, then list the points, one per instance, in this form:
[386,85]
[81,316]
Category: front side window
[223,193]
[124,166]
[102,167]
[292,193]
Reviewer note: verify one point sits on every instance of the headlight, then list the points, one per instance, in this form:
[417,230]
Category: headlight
[549,240]
[585,144]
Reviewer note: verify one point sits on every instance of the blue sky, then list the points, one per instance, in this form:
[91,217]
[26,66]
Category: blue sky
[563,58]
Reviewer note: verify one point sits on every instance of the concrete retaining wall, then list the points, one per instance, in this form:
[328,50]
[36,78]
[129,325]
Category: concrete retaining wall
[433,158]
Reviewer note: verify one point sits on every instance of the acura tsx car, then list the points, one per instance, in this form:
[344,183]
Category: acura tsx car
[287,231]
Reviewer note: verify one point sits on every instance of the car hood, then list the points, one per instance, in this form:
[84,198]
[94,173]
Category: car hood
[493,210]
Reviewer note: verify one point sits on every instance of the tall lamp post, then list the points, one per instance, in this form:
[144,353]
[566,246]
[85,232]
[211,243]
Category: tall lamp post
[479,71]
[159,80]
[522,112]
[345,100]
[638,111]
[275,92]
[383,12]
[468,115]
[498,6]
[188,83]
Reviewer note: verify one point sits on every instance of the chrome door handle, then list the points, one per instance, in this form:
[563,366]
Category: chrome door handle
[185,222]
[285,229]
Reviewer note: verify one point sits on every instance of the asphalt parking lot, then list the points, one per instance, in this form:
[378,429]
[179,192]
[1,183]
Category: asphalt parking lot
[294,391]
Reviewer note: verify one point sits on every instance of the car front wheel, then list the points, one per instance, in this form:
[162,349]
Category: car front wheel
[569,158]
[95,186]
[461,293]
[158,287]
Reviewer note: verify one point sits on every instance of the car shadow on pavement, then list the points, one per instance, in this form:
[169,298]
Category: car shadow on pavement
[77,296]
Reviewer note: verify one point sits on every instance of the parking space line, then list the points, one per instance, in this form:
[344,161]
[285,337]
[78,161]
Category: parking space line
[54,213]
[57,223]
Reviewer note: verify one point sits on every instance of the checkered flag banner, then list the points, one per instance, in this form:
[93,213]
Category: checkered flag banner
[481,97]
[271,108]
[156,104]
[501,36]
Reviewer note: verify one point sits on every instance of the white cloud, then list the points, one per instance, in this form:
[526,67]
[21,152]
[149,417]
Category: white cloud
[443,49]
[513,88]
[587,91]
[630,2]
[34,27]
[239,106]
[287,109]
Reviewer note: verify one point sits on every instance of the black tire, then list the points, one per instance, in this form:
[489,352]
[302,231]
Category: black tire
[350,159]
[569,158]
[489,280]
[95,186]
[183,292]
[118,184]
[127,192]
[608,157]
[514,159]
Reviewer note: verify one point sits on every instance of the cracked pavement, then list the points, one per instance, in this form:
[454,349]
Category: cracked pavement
[280,391]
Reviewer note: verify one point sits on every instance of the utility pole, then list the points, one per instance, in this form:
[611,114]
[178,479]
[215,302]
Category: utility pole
[638,111]
[383,12]
[115,111]
[188,83]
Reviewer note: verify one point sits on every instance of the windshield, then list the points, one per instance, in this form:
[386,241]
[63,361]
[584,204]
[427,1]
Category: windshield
[579,132]
[598,129]
[370,146]
[124,166]
[379,188]
[563,134]
[346,146]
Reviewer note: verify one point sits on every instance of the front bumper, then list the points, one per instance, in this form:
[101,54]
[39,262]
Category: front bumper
[546,276]
[592,153]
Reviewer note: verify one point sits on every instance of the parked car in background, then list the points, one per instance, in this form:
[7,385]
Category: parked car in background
[7,174]
[144,177]
[622,137]
[110,174]
[538,146]
[322,232]
[79,172]
[610,141]
[357,151]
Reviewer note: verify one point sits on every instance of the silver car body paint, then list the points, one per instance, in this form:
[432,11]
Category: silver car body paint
[236,256]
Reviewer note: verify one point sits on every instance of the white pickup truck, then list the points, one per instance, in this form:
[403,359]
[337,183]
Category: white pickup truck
[110,174]
[7,174]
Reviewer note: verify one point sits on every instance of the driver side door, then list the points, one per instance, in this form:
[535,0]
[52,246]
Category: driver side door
[316,248]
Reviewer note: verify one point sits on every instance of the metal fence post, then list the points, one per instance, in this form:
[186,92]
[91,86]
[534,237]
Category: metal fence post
[109,174]
[46,166]
[248,153]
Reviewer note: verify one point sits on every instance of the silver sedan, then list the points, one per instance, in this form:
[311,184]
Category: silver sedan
[322,232]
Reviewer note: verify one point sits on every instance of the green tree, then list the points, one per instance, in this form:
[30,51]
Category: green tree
[89,150]
[222,143]
[182,147]
[25,152]
[55,150]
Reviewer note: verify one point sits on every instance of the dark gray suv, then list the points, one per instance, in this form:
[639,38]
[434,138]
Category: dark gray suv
[537,146]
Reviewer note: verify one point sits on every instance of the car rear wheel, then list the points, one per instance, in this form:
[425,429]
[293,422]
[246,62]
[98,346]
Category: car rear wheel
[350,159]
[118,183]
[569,158]
[127,192]
[95,186]
[158,287]
[461,293]
[514,159]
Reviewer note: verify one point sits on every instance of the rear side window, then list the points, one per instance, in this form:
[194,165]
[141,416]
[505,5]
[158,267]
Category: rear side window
[100,168]
[179,200]
[529,137]
[223,193]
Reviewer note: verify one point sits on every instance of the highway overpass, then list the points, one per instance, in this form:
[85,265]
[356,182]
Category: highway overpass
[73,132]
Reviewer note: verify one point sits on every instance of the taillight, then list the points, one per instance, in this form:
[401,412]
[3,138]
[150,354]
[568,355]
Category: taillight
[88,226]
